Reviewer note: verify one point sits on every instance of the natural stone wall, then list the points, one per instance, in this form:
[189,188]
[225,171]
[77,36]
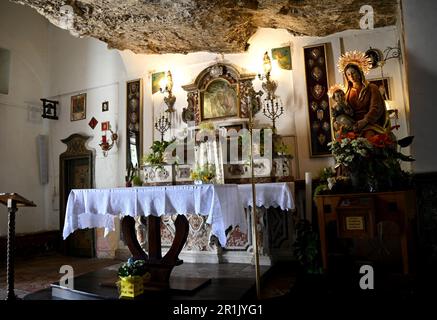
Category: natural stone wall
[225,26]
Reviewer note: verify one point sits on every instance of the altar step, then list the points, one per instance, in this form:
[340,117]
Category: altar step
[190,281]
[101,285]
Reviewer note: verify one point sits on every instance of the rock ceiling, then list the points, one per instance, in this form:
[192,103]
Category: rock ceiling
[224,26]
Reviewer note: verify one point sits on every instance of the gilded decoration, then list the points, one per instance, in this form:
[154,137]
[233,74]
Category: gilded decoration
[216,94]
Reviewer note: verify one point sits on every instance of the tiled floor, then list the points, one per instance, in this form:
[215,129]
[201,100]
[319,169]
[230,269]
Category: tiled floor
[37,273]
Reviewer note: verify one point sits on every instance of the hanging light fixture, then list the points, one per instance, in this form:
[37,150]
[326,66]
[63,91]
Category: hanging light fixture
[272,104]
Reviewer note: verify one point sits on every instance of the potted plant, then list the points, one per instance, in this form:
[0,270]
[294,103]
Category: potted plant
[156,169]
[132,276]
[306,248]
[310,277]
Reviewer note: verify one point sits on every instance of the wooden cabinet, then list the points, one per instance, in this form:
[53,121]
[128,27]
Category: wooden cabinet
[357,216]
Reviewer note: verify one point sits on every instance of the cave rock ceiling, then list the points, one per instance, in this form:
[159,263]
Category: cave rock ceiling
[223,26]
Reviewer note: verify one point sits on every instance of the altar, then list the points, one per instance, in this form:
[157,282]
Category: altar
[221,205]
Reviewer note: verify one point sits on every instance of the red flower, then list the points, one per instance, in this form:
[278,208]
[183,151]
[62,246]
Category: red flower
[381,140]
[349,135]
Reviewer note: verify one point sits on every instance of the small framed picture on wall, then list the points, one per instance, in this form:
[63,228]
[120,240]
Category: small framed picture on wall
[78,107]
[105,106]
[383,85]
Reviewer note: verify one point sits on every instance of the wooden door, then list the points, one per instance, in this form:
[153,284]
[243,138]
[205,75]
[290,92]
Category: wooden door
[76,172]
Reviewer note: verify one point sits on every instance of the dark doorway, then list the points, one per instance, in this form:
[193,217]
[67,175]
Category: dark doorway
[76,167]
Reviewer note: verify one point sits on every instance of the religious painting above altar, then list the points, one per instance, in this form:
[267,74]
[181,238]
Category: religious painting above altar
[215,95]
[219,100]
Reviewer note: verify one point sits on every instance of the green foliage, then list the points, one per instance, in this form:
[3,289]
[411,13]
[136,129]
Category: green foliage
[282,149]
[326,173]
[321,189]
[157,156]
[132,268]
[203,173]
[136,181]
[306,247]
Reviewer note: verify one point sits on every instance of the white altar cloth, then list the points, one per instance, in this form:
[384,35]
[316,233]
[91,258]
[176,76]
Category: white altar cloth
[223,204]
[268,195]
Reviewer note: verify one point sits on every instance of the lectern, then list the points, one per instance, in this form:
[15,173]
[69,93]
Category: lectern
[13,201]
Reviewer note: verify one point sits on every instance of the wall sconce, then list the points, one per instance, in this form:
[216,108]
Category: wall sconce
[392,112]
[49,109]
[379,59]
[105,144]
[167,87]
[272,105]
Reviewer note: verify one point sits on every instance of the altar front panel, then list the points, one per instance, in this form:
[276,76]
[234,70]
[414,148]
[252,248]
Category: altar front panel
[275,231]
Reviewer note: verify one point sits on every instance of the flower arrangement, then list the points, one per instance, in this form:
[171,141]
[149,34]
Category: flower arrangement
[132,268]
[350,150]
[132,274]
[204,174]
[371,164]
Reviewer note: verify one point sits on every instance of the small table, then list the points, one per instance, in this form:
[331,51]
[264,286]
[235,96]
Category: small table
[12,201]
[357,215]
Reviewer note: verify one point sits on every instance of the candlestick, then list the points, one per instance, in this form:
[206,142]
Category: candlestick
[308,196]
[162,124]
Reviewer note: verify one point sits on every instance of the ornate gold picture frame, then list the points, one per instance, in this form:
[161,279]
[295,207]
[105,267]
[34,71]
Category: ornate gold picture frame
[219,100]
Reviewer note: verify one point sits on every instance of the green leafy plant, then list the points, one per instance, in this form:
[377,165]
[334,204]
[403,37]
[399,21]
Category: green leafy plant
[132,268]
[136,181]
[281,148]
[157,155]
[306,247]
[325,177]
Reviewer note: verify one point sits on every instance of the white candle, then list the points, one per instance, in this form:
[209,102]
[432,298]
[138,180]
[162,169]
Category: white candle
[308,196]
[202,159]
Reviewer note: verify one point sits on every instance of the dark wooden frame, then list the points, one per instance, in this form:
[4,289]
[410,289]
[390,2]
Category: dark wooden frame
[317,149]
[397,206]
[139,134]
[385,81]
[76,149]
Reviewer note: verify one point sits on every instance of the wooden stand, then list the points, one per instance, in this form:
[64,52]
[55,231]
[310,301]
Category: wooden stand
[159,267]
[357,215]
[12,201]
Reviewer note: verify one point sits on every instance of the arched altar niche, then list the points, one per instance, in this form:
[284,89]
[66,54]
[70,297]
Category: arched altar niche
[218,93]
